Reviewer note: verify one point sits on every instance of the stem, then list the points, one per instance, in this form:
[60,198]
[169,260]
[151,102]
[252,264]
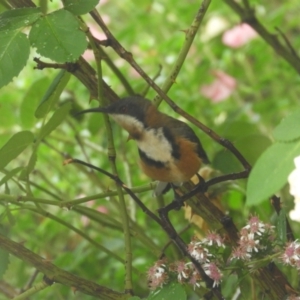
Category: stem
[33,290]
[112,160]
[190,34]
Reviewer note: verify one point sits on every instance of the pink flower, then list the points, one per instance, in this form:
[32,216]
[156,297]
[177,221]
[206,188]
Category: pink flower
[291,254]
[157,275]
[213,238]
[238,36]
[200,253]
[213,272]
[240,253]
[221,88]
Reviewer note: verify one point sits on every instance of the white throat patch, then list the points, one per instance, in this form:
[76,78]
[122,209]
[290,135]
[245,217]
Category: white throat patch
[152,141]
[155,145]
[128,122]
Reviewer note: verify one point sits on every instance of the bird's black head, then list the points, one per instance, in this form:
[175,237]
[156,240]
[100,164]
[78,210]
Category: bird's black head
[129,112]
[134,106]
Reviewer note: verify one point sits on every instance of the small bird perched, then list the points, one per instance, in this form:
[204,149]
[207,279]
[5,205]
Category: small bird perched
[169,150]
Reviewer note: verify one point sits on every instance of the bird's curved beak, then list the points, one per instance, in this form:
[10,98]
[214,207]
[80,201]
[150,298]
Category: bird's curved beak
[93,110]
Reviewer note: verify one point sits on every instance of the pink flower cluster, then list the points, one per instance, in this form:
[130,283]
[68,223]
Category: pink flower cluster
[256,242]
[291,254]
[158,275]
[255,237]
[221,88]
[201,251]
[238,36]
[161,272]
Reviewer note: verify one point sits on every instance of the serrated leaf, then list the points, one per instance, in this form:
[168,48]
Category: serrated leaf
[10,174]
[16,145]
[55,120]
[32,97]
[17,18]
[289,128]
[169,292]
[58,37]
[14,52]
[271,170]
[52,94]
[80,7]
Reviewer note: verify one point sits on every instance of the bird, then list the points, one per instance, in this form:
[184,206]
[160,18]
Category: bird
[169,150]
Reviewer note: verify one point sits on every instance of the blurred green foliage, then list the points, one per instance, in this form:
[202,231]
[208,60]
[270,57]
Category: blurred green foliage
[267,90]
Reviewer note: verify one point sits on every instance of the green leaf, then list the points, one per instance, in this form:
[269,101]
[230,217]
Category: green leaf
[8,113]
[271,170]
[16,145]
[9,175]
[281,226]
[55,120]
[14,52]
[18,18]
[224,161]
[169,292]
[252,146]
[233,129]
[80,7]
[58,37]
[53,93]
[289,128]
[30,101]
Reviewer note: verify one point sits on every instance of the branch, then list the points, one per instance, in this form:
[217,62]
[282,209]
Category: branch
[85,73]
[55,274]
[247,15]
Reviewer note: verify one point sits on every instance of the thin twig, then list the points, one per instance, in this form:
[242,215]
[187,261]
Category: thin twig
[121,184]
[190,34]
[289,45]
